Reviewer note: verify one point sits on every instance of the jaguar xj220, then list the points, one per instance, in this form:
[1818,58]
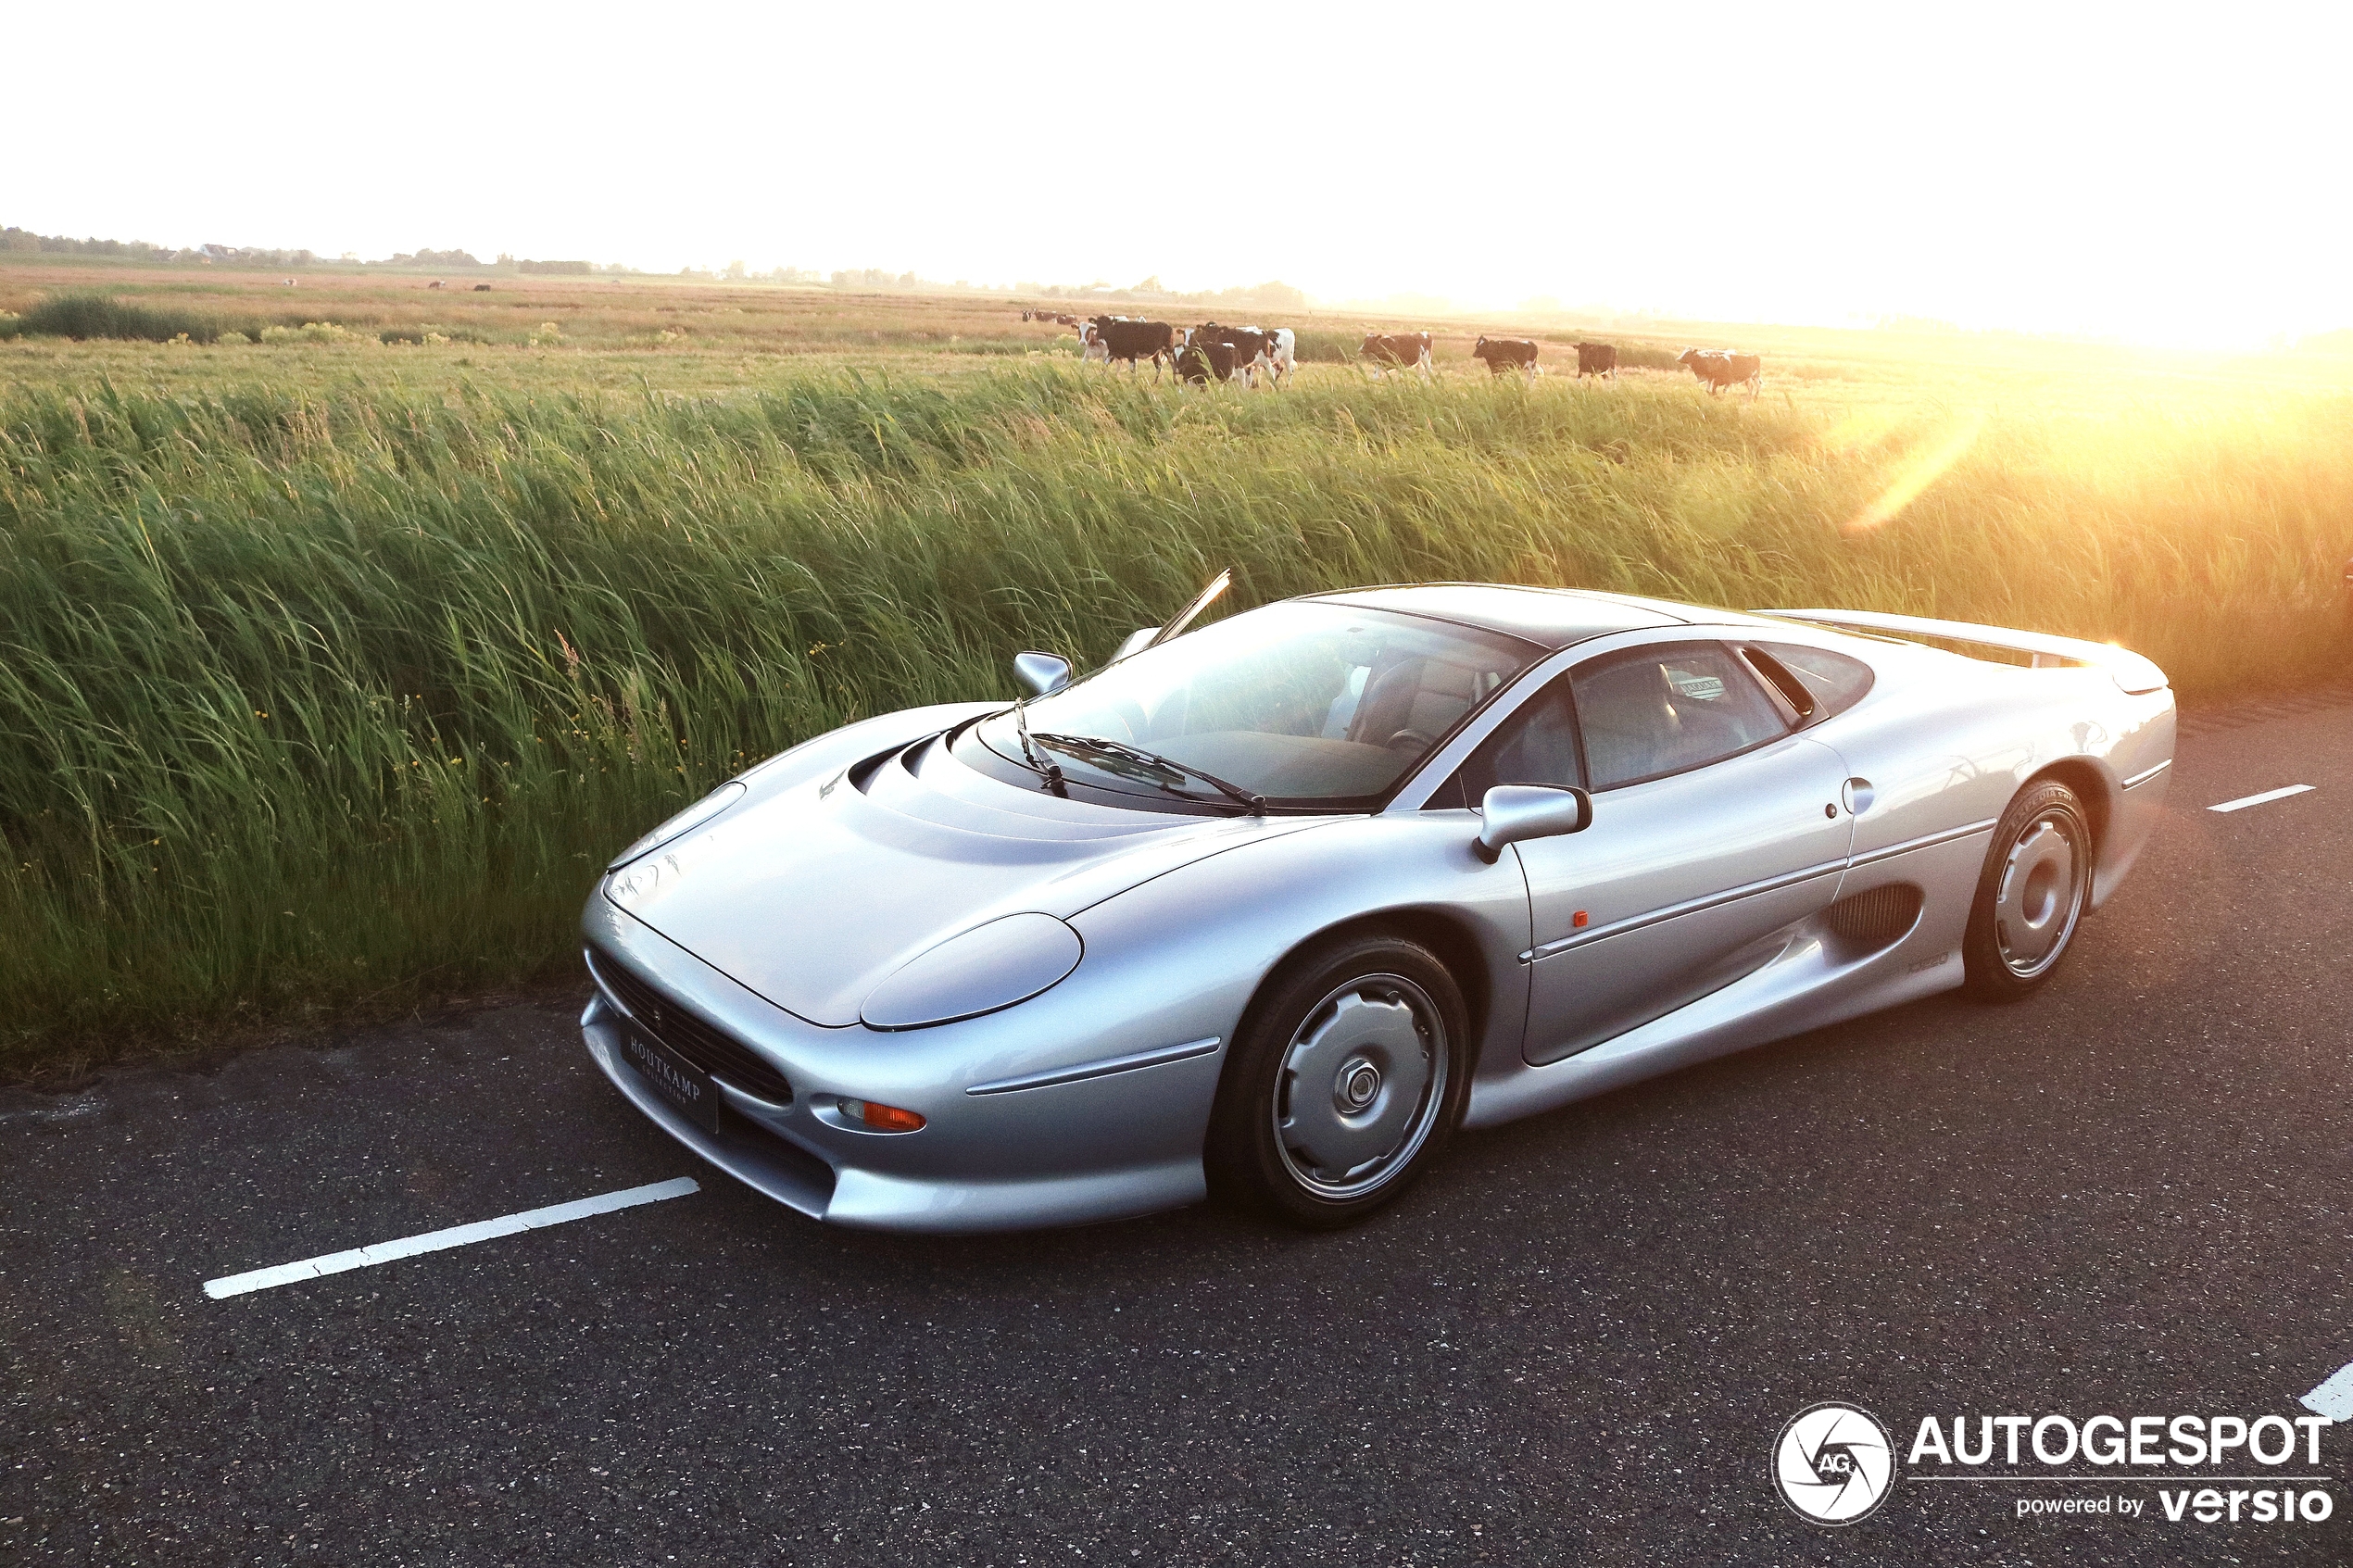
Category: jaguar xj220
[1269,909]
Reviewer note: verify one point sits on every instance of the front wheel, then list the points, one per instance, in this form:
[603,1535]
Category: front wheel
[2032,893]
[1347,1078]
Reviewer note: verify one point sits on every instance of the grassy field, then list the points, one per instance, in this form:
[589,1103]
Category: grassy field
[335,668]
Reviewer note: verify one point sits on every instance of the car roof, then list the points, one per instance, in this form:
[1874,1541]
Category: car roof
[1553,618]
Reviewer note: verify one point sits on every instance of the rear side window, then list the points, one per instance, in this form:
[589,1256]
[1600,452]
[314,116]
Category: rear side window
[1658,710]
[1837,681]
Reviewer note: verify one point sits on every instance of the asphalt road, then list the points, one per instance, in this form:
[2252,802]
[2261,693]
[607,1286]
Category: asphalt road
[1576,1342]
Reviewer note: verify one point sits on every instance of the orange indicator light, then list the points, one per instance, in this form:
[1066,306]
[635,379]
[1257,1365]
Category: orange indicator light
[882,1118]
[1581,919]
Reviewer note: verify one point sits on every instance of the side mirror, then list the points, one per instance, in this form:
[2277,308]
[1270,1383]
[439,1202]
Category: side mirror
[1517,812]
[1043,673]
[1138,641]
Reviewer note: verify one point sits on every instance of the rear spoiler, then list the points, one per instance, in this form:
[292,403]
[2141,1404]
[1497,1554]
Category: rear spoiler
[2131,672]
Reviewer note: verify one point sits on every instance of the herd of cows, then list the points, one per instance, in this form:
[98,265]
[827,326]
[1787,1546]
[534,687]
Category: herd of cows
[1211,352]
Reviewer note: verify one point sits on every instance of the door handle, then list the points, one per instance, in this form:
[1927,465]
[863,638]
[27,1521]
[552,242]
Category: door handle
[1856,795]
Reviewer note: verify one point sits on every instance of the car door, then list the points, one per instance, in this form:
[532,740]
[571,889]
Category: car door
[1715,828]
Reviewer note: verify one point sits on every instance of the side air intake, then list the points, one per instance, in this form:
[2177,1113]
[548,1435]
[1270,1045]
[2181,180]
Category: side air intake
[1875,917]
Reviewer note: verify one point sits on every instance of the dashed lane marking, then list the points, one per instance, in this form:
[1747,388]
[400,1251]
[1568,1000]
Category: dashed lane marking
[2334,1399]
[456,1236]
[2244,801]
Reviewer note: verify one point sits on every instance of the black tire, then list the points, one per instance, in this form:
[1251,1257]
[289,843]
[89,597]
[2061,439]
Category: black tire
[2032,894]
[1348,1040]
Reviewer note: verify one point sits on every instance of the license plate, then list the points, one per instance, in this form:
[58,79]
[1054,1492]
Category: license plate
[673,1078]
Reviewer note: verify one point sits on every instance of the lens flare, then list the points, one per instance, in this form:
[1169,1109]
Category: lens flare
[1923,468]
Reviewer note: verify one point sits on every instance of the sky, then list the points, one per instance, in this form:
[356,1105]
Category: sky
[2166,175]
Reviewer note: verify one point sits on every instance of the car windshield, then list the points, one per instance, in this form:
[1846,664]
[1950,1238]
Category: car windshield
[1304,704]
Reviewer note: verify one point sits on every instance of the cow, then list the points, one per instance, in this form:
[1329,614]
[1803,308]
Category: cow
[1131,340]
[290,282]
[1207,356]
[1396,351]
[482,288]
[1272,349]
[434,284]
[1066,321]
[1282,354]
[1253,348]
[1506,354]
[1720,367]
[1597,359]
[1091,344]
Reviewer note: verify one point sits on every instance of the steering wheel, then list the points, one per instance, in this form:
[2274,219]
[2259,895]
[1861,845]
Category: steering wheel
[1413,738]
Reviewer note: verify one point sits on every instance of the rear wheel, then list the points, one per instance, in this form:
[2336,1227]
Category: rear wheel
[1346,1079]
[2031,896]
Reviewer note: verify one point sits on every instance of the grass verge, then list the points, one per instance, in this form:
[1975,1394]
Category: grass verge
[325,702]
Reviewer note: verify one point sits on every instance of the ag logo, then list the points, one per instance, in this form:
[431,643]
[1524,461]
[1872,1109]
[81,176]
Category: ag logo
[1834,1463]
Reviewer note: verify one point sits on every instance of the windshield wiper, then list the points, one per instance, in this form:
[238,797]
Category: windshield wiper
[1083,744]
[1037,758]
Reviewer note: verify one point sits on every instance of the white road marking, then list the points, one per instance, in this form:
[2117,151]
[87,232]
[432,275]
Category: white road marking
[456,1236]
[2334,1399]
[2244,801]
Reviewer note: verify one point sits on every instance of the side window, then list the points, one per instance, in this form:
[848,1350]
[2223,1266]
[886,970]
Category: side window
[1535,745]
[1837,681]
[1664,709]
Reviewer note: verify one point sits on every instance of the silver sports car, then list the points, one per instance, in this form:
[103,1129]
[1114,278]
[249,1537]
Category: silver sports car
[1267,910]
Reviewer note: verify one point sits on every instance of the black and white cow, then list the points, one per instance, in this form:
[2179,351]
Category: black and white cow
[1396,351]
[1597,359]
[1244,351]
[1207,356]
[1282,354]
[1131,340]
[1272,349]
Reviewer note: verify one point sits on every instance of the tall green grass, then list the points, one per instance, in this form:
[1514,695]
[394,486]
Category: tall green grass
[86,315]
[326,702]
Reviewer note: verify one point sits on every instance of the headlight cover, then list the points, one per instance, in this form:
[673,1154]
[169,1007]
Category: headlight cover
[685,821]
[989,967]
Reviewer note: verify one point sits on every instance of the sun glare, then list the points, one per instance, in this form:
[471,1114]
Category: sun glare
[1922,467]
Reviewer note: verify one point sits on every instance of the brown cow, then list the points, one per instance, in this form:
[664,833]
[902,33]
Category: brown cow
[1396,351]
[1720,367]
[1506,354]
[1597,359]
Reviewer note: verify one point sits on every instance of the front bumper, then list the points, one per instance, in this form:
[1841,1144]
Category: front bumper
[1102,1148]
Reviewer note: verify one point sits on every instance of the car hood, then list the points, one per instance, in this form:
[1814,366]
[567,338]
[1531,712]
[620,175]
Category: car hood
[813,894]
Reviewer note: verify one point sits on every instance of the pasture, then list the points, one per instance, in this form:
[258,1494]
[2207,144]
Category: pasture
[339,662]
